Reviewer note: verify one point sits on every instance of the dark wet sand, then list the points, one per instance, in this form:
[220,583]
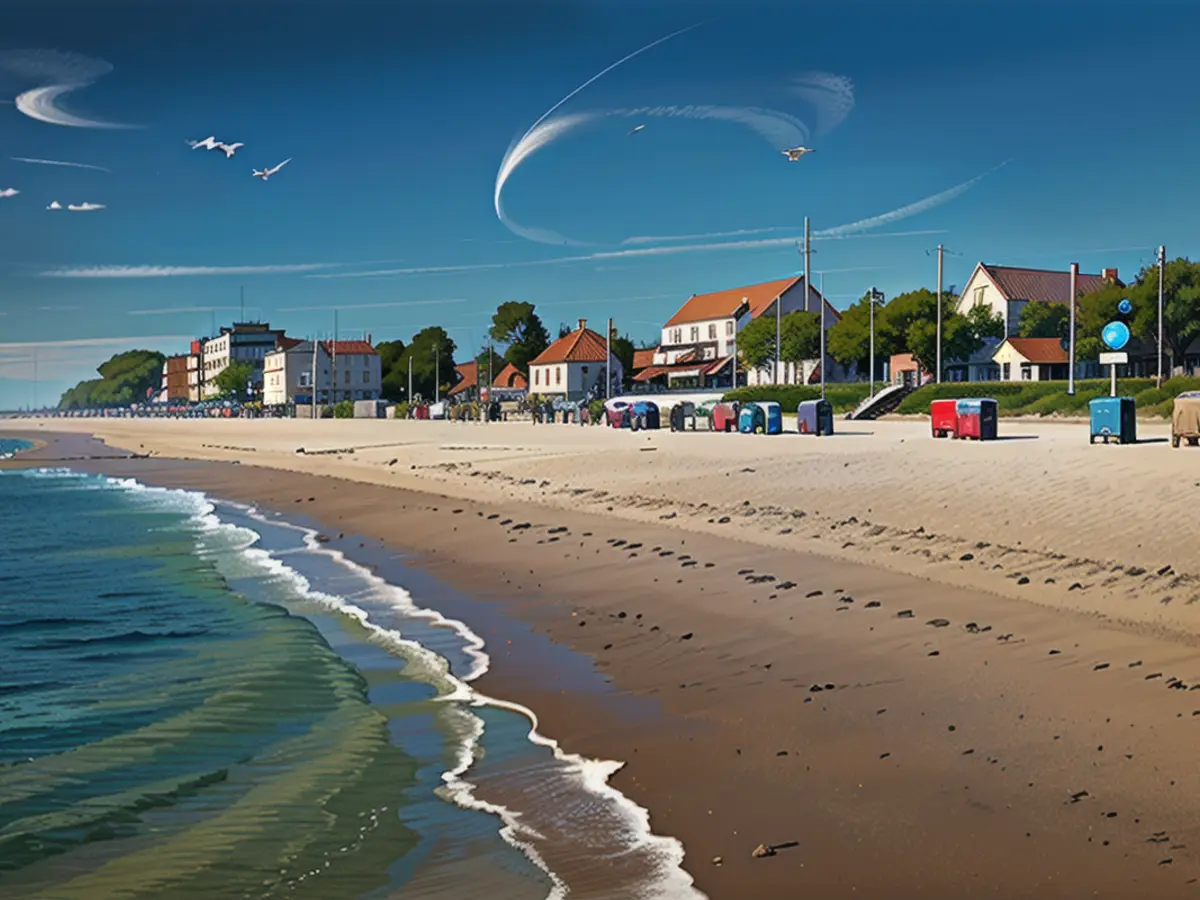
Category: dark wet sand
[915,740]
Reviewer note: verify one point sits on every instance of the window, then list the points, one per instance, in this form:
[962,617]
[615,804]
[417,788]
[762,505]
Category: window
[558,374]
[729,327]
[1007,376]
[366,377]
[537,376]
[695,334]
[979,292]
[1026,372]
[712,331]
[677,336]
[305,379]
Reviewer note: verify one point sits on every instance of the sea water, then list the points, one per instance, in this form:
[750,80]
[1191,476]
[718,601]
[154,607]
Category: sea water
[198,700]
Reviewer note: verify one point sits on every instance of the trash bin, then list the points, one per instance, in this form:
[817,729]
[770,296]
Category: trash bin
[773,416]
[977,418]
[646,414]
[725,416]
[618,417]
[814,417]
[943,418]
[1113,418]
[752,419]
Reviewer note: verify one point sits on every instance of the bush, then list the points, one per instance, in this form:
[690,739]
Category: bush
[344,410]
[401,410]
[596,412]
[843,397]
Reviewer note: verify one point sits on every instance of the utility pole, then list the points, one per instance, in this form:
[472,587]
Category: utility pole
[821,311]
[333,356]
[1071,337]
[437,366]
[608,362]
[410,393]
[1162,265]
[315,343]
[940,251]
[874,297]
[779,323]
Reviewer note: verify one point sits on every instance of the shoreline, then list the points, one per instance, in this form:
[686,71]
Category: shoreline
[894,761]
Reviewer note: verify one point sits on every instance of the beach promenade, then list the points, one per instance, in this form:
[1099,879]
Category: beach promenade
[945,669]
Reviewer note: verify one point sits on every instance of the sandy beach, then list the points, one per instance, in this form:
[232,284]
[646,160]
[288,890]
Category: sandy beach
[943,669]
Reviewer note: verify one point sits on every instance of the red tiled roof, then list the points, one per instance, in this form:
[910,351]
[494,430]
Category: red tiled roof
[643,358]
[1041,285]
[348,348]
[581,345]
[287,343]
[1040,351]
[510,377]
[468,377]
[723,304]
[703,369]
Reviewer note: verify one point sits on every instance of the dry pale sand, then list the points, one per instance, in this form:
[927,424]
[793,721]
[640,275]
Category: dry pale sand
[796,607]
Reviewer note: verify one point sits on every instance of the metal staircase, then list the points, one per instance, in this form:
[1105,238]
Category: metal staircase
[882,403]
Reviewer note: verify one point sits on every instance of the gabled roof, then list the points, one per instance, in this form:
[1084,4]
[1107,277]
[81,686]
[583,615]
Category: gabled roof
[643,358]
[581,345]
[510,377]
[1040,285]
[723,304]
[468,377]
[287,343]
[348,348]
[1040,351]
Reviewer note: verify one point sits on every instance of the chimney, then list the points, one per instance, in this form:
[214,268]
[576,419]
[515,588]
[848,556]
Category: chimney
[582,324]
[369,339]
[1109,275]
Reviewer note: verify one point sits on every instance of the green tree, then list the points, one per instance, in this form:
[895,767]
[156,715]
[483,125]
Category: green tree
[1181,305]
[1044,320]
[393,368]
[233,381]
[125,378]
[427,346]
[849,340]
[799,339]
[519,329]
[623,349]
[985,323]
[1096,310]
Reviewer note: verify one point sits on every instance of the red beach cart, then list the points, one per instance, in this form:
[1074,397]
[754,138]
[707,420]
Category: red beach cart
[943,418]
[725,417]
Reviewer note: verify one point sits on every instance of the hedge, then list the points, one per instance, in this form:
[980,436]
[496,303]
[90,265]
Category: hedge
[1048,398]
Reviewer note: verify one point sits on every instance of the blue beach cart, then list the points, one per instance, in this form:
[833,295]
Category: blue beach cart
[773,415]
[1114,419]
[751,419]
[814,417]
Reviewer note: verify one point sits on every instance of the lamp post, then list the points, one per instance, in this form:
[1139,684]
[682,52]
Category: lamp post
[1071,337]
[874,297]
[1162,265]
[436,369]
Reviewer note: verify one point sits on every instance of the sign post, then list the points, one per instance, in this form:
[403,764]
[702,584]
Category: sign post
[1115,336]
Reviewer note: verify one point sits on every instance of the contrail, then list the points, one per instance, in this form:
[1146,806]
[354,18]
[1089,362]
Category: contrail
[509,163]
[57,162]
[911,209]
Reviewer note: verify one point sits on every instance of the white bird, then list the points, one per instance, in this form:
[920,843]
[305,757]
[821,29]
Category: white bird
[796,152]
[264,174]
[229,149]
[209,143]
[637,128]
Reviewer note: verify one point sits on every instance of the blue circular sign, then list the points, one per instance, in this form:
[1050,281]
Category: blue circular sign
[1124,307]
[1115,335]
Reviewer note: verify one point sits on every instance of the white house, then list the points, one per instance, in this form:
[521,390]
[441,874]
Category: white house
[1006,290]
[700,340]
[288,374]
[573,366]
[1031,359]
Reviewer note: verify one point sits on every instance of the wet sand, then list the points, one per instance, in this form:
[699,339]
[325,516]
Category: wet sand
[915,738]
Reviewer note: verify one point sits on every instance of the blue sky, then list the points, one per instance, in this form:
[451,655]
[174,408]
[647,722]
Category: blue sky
[398,116]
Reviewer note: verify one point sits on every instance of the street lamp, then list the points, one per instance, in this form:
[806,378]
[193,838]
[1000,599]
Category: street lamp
[874,296]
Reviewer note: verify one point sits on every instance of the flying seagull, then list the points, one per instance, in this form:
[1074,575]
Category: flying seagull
[209,143]
[264,174]
[796,152]
[637,128]
[229,149]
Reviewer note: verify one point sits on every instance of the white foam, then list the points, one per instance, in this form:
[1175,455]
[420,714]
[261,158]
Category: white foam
[672,881]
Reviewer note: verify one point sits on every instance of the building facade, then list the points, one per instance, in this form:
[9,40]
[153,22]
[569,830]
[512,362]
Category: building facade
[247,342]
[175,379]
[1007,290]
[1031,359]
[288,375]
[357,370]
[573,367]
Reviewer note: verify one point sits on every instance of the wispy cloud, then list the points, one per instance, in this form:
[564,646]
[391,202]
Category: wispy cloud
[179,310]
[71,360]
[59,308]
[56,75]
[707,236]
[633,253]
[607,301]
[9,192]
[389,305]
[176,271]
[84,207]
[10,348]
[58,162]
